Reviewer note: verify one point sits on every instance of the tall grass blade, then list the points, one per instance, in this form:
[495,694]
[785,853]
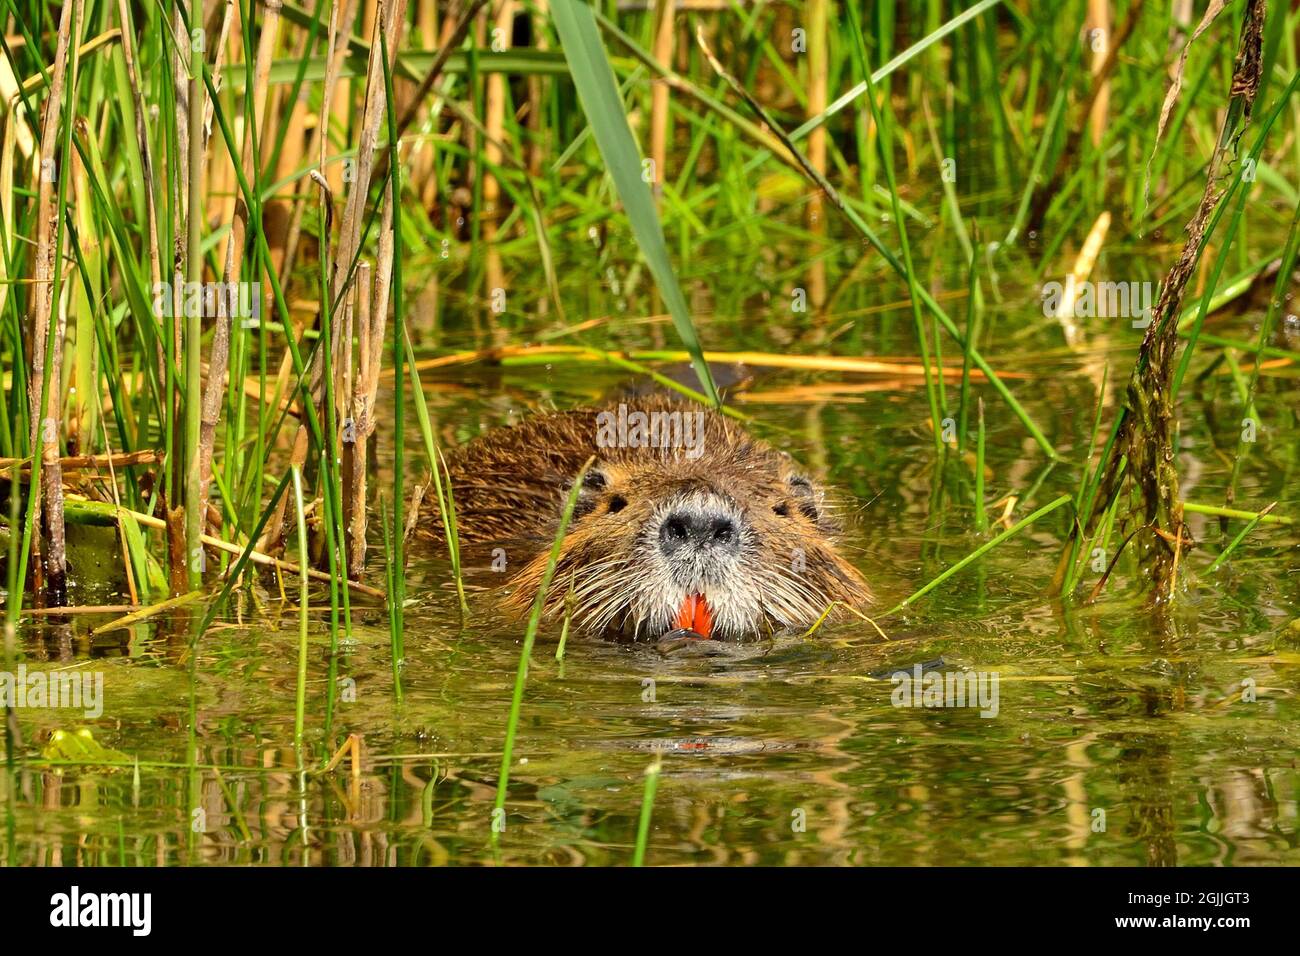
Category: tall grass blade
[598,91]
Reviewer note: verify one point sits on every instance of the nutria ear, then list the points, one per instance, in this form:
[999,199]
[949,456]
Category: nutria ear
[806,496]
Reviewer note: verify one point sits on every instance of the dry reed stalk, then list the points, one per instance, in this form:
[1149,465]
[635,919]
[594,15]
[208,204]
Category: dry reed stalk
[85,462]
[181,87]
[195,495]
[339,97]
[494,110]
[391,21]
[821,363]
[218,65]
[373,112]
[255,556]
[383,286]
[1099,19]
[81,411]
[220,354]
[179,190]
[660,120]
[818,12]
[360,392]
[339,31]
[47,516]
[538,148]
[222,187]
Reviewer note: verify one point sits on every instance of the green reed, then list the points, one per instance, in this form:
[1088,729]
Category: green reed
[526,649]
[647,810]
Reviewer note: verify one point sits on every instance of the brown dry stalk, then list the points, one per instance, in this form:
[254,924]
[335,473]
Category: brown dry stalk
[494,108]
[218,64]
[660,120]
[1099,19]
[1145,438]
[351,223]
[339,32]
[87,462]
[173,502]
[219,356]
[360,392]
[390,19]
[48,513]
[818,13]
[255,556]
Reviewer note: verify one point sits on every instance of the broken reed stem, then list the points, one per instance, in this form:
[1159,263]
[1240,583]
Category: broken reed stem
[361,392]
[255,556]
[49,568]
[351,222]
[89,462]
[390,21]
[195,513]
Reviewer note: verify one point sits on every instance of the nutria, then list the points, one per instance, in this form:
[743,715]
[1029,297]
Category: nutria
[683,521]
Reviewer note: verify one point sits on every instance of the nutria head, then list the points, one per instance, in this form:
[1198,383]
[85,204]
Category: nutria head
[704,528]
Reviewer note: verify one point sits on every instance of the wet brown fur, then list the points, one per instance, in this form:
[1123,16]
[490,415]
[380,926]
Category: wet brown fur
[511,484]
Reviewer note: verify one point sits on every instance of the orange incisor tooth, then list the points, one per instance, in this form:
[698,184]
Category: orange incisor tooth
[695,615]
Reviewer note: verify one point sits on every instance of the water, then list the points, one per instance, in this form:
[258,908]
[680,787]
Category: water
[1123,735]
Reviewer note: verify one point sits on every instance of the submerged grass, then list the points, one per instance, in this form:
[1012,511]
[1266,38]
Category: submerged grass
[977,554]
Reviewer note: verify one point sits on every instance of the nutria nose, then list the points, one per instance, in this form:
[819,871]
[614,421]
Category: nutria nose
[699,529]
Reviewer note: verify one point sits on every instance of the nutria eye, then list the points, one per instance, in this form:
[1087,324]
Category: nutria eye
[809,510]
[782,509]
[617,504]
[594,480]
